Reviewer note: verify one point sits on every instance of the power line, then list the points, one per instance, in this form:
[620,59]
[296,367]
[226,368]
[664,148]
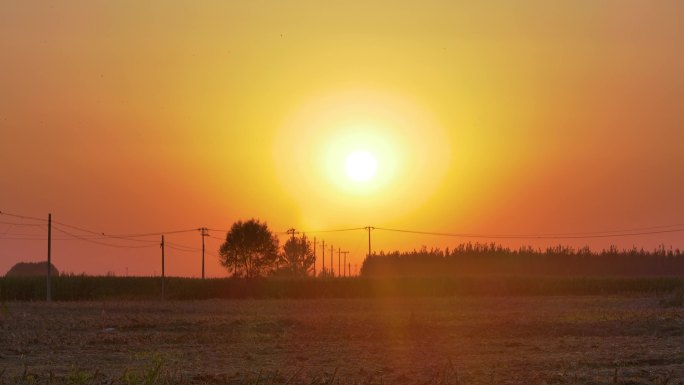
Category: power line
[335,230]
[22,224]
[10,228]
[219,230]
[585,234]
[101,243]
[538,236]
[94,235]
[181,249]
[180,246]
[623,230]
[24,234]
[23,216]
[44,238]
[78,228]
[134,235]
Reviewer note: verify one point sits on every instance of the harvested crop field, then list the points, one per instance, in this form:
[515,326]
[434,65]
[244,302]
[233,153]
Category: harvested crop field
[467,340]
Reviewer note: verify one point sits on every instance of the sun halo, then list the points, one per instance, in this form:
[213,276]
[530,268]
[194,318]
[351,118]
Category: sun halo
[313,155]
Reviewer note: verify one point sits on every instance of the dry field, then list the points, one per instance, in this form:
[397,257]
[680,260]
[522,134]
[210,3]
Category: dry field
[513,340]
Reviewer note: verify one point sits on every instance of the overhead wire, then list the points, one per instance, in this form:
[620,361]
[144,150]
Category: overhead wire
[624,230]
[537,236]
[219,230]
[180,246]
[125,236]
[100,243]
[23,224]
[333,230]
[27,234]
[94,235]
[11,225]
[181,249]
[45,237]
[159,233]
[23,216]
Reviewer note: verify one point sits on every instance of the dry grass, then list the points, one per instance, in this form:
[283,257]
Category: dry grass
[511,340]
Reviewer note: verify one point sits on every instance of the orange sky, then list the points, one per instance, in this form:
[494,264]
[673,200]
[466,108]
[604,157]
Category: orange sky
[496,118]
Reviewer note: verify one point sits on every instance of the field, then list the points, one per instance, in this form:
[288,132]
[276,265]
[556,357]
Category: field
[629,339]
[88,288]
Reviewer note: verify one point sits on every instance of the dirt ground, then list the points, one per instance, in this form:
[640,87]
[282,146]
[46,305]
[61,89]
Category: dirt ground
[519,340]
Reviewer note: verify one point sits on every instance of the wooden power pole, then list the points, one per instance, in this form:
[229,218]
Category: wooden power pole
[292,232]
[314,264]
[345,262]
[48,294]
[369,228]
[205,233]
[162,272]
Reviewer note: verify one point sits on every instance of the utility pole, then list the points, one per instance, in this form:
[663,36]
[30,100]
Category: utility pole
[291,232]
[314,265]
[48,295]
[205,233]
[369,228]
[303,251]
[332,261]
[345,262]
[162,272]
[339,270]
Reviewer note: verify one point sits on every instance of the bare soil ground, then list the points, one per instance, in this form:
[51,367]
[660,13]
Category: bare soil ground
[515,340]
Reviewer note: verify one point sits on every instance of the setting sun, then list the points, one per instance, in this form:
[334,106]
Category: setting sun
[359,153]
[361,166]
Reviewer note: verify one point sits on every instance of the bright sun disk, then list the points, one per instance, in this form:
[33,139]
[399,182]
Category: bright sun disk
[361,166]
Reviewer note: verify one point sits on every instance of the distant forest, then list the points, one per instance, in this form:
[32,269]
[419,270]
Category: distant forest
[493,259]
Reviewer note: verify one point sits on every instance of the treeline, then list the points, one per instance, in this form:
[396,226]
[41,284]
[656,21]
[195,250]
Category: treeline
[481,259]
[88,288]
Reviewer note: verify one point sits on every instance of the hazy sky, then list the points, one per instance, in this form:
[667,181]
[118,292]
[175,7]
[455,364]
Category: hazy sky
[521,117]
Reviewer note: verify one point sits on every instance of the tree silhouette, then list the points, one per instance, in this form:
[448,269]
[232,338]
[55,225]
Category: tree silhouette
[250,249]
[297,257]
[494,259]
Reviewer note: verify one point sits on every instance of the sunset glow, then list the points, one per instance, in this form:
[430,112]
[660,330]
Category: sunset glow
[452,117]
